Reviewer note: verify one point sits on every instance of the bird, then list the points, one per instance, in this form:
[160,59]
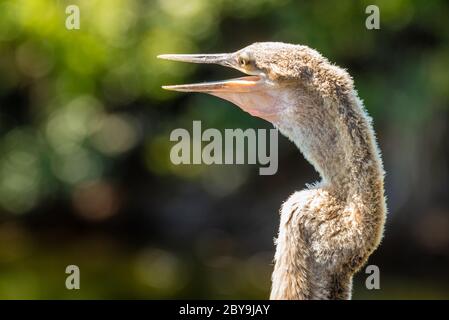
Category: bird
[327,231]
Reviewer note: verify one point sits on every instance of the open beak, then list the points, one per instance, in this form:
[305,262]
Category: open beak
[242,84]
[253,93]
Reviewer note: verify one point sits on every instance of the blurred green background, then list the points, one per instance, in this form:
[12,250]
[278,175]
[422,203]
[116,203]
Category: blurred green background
[85,175]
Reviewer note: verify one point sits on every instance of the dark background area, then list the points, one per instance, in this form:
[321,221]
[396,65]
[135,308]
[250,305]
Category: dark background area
[85,173]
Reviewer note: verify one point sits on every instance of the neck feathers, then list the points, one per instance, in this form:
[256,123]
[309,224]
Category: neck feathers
[345,212]
[335,135]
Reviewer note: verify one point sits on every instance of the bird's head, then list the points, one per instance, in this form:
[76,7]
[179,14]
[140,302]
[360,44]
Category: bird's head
[274,72]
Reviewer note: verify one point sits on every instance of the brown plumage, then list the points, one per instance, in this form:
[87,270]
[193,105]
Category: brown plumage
[328,231]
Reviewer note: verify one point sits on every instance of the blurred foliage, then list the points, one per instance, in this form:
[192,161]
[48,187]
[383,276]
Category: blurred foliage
[84,123]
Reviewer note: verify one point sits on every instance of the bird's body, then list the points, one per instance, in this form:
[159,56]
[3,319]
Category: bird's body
[328,231]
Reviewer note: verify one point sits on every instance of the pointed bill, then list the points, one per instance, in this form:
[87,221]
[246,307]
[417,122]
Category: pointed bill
[244,84]
[223,59]
[252,93]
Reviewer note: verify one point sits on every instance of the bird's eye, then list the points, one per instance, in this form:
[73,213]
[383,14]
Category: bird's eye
[244,60]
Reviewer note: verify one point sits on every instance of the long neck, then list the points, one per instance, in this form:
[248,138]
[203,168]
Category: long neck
[337,139]
[350,162]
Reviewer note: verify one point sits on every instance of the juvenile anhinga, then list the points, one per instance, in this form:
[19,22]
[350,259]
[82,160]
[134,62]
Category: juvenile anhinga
[328,231]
